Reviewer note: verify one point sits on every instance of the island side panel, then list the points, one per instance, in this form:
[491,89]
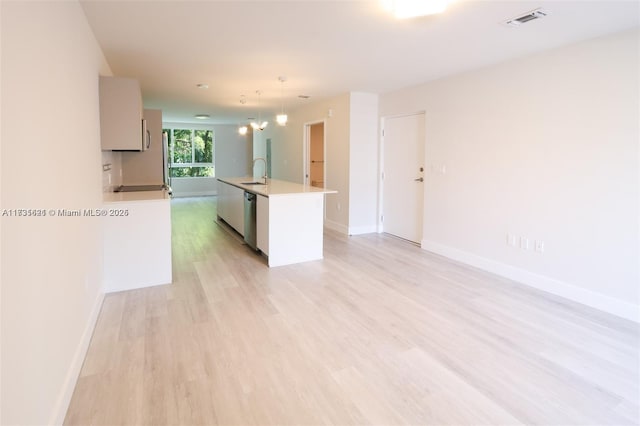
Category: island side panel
[295,228]
[262,224]
[137,247]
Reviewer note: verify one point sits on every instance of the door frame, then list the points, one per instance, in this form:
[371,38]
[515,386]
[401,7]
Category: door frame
[380,224]
[306,150]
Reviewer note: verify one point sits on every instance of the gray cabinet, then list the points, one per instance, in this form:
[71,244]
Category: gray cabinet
[146,168]
[121,115]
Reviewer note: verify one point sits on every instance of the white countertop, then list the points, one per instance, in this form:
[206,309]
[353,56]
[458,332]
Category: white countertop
[275,187]
[123,197]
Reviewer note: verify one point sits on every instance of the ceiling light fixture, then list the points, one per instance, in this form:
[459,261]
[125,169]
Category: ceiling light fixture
[282,117]
[202,86]
[243,129]
[404,9]
[259,125]
[202,116]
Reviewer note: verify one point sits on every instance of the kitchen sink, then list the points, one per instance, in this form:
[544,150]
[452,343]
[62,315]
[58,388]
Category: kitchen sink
[252,183]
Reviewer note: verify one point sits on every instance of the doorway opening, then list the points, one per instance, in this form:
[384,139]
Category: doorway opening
[314,154]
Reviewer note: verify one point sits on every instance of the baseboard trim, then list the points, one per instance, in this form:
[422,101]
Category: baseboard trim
[194,194]
[550,285]
[359,230]
[62,405]
[335,226]
[115,288]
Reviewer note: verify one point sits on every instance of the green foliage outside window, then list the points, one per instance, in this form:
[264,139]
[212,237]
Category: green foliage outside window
[181,146]
[191,152]
[203,146]
[192,172]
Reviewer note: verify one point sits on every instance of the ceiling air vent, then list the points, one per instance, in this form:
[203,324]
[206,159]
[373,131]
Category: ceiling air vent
[527,17]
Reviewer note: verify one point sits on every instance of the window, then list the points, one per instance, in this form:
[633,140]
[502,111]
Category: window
[191,152]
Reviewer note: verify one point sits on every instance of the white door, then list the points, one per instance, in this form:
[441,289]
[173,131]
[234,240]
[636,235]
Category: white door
[403,176]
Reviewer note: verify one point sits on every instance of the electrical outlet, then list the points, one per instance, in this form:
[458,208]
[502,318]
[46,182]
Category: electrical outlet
[524,243]
[539,246]
[512,240]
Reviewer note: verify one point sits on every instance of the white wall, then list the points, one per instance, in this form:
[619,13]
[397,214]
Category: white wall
[288,154]
[194,186]
[260,149]
[363,163]
[233,152]
[544,147]
[112,177]
[51,266]
[351,136]
[1,221]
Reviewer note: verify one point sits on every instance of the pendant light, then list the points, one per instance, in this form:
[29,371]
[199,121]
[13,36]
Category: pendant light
[243,129]
[259,125]
[281,118]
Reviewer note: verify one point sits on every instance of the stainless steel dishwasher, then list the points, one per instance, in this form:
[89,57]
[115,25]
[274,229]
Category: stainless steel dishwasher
[250,236]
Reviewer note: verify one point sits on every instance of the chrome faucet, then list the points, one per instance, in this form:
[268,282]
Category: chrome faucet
[265,168]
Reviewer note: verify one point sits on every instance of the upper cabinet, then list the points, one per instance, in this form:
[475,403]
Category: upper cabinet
[122,127]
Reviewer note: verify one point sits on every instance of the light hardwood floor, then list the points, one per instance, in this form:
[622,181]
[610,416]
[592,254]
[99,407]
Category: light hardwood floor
[379,332]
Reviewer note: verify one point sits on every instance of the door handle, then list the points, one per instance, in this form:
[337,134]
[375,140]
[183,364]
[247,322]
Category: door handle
[419,179]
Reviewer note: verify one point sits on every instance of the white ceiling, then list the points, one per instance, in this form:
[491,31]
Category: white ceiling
[324,48]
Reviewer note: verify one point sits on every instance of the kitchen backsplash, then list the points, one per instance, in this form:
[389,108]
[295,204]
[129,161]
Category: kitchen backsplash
[111,170]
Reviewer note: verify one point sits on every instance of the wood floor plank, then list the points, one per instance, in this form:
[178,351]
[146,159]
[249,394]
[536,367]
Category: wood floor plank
[378,332]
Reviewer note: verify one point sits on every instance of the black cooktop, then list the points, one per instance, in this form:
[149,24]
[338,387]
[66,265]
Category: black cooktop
[136,188]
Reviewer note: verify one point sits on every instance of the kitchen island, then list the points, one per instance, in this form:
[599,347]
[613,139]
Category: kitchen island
[289,217]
